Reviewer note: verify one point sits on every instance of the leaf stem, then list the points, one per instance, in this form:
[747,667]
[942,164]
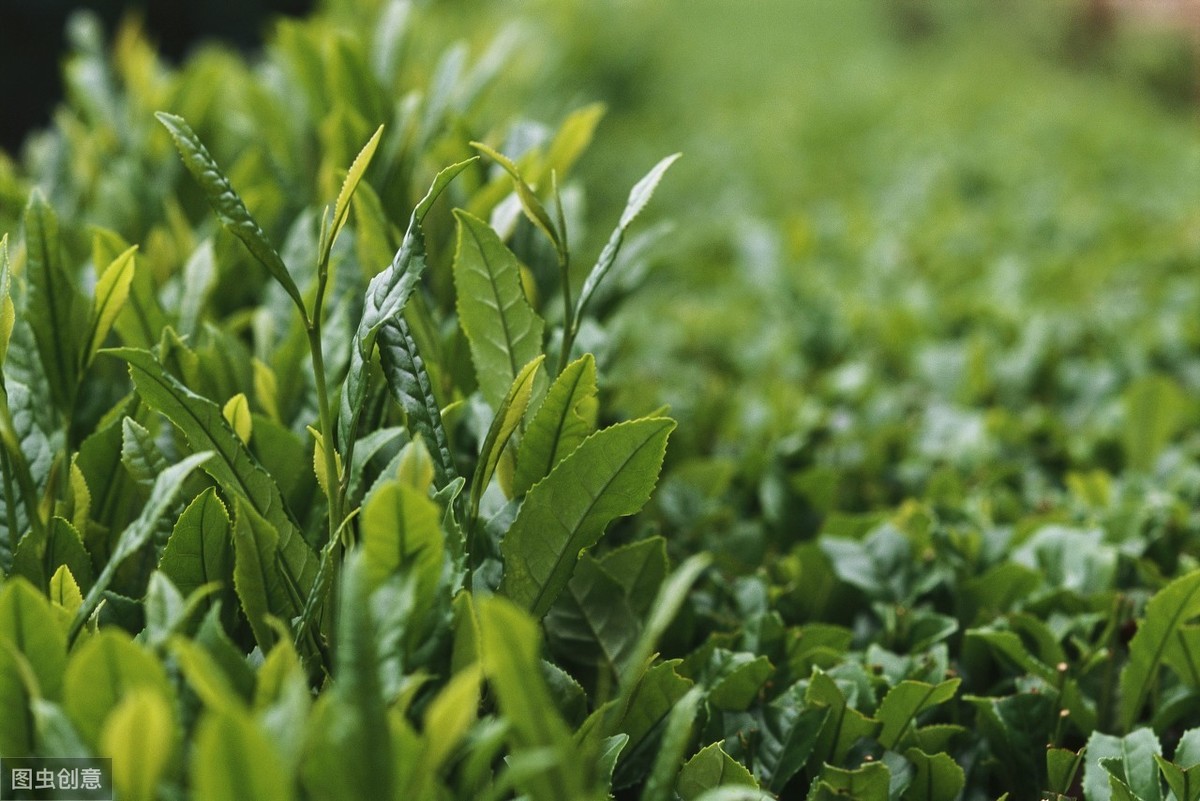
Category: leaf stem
[333,484]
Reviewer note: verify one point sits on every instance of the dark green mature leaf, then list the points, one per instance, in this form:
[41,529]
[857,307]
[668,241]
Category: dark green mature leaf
[140,453]
[1062,765]
[200,548]
[1166,612]
[504,331]
[137,534]
[57,309]
[29,627]
[564,420]
[639,196]
[610,475]
[711,767]
[937,777]
[1183,782]
[904,702]
[845,725]
[230,209]
[870,782]
[232,466]
[673,744]
[1016,729]
[1131,761]
[263,585]
[592,622]
[412,388]
[387,294]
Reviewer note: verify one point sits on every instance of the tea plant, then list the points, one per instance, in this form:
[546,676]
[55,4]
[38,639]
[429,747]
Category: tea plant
[334,465]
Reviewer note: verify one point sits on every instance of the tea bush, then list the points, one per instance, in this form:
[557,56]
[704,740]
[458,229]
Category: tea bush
[334,414]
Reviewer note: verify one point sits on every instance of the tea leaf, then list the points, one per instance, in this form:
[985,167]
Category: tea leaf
[411,387]
[509,414]
[1166,612]
[610,475]
[387,294]
[140,737]
[233,467]
[112,289]
[230,209]
[137,534]
[102,673]
[28,626]
[565,419]
[234,761]
[8,313]
[533,207]
[639,196]
[711,767]
[341,209]
[56,306]
[263,584]
[904,702]
[504,331]
[200,548]
[937,777]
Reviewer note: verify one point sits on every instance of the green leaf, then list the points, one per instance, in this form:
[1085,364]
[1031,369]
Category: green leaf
[508,417]
[204,676]
[788,738]
[200,548]
[57,309]
[639,196]
[236,412]
[137,534]
[341,209]
[711,767]
[845,725]
[401,531]
[233,467]
[18,689]
[1155,409]
[112,290]
[738,688]
[592,623]
[1062,765]
[234,761]
[904,702]
[104,671]
[610,475]
[348,754]
[509,647]
[937,777]
[1183,782]
[1132,756]
[1166,612]
[42,551]
[262,584]
[412,388]
[449,716]
[504,331]
[139,736]
[673,744]
[8,312]
[140,453]
[870,782]
[386,297]
[230,209]
[564,420]
[28,625]
[532,207]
